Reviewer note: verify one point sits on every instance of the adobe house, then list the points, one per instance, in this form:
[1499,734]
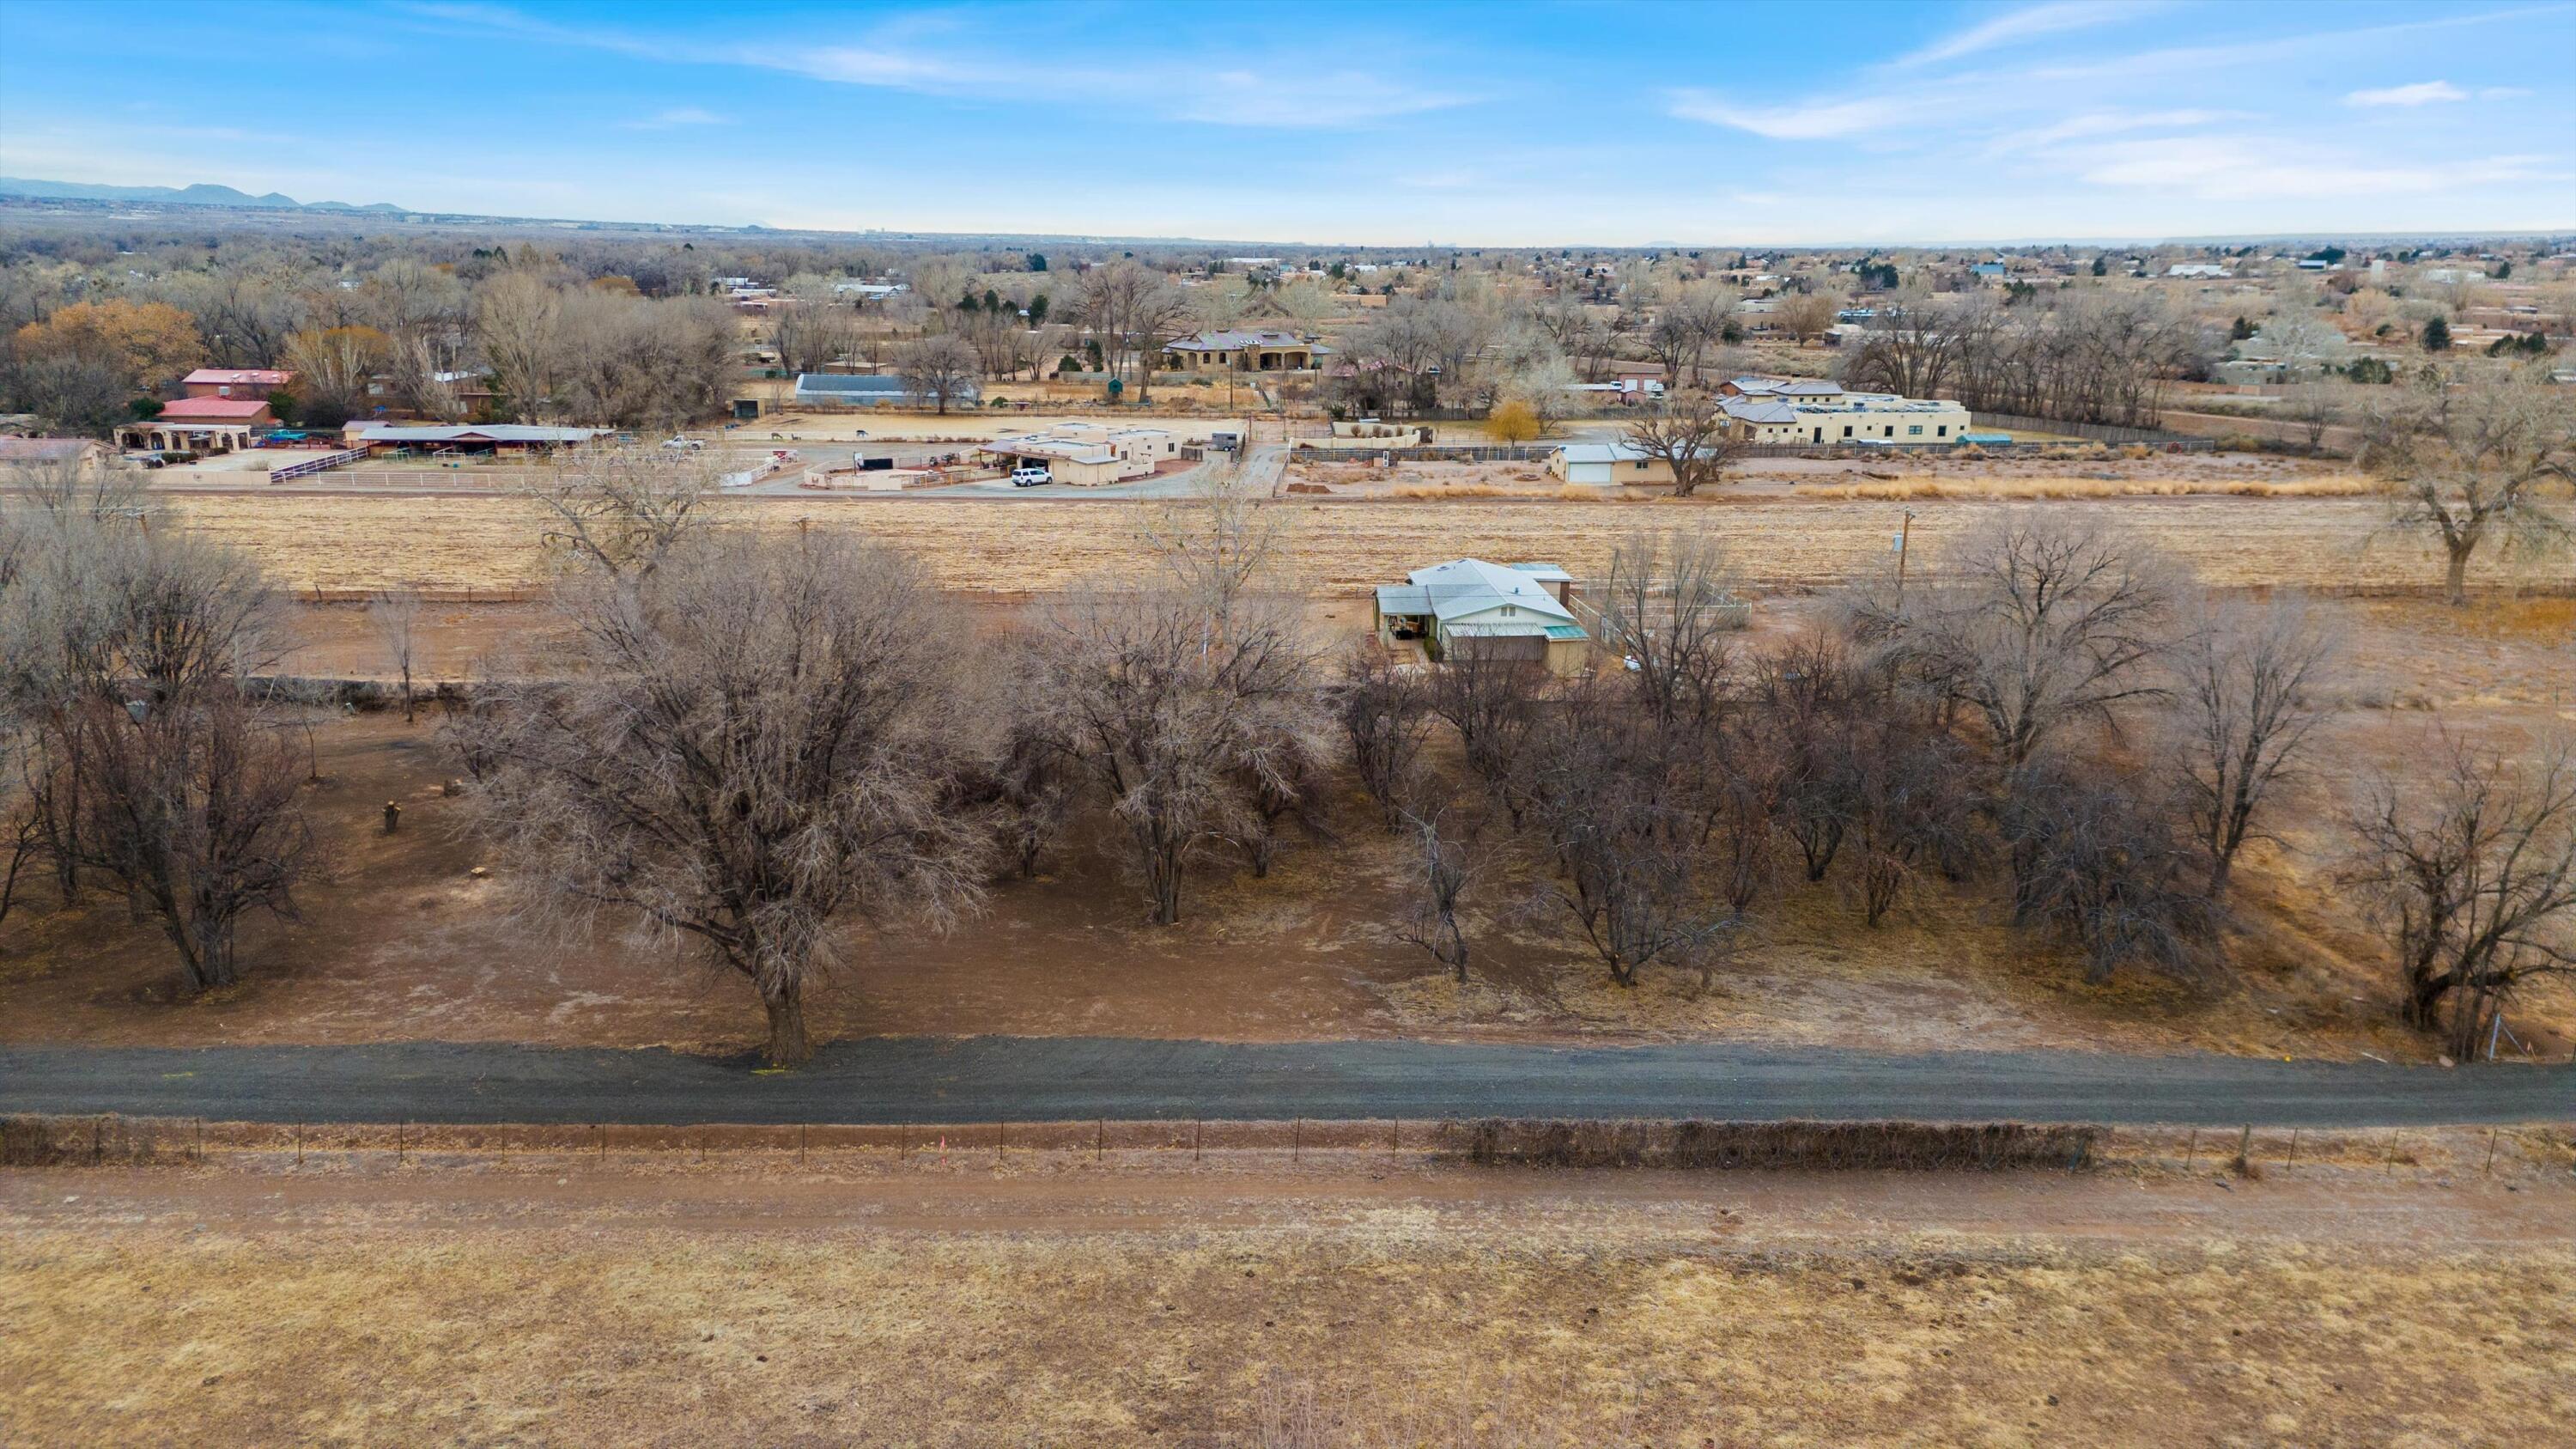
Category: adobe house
[1239,351]
[235,382]
[199,425]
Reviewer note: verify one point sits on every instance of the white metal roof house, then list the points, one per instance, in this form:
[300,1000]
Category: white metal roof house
[1470,608]
[1605,464]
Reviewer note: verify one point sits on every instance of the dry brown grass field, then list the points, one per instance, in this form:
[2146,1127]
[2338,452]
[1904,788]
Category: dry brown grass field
[1248,1302]
[337,543]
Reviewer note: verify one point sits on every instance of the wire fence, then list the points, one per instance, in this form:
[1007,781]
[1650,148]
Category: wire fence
[33,1140]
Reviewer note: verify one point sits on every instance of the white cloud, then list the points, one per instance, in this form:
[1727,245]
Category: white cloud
[2112,123]
[1337,98]
[2019,25]
[1809,121]
[2422,93]
[2218,168]
[1212,90]
[678,116]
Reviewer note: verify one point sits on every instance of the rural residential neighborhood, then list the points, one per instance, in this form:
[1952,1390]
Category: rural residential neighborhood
[1364,726]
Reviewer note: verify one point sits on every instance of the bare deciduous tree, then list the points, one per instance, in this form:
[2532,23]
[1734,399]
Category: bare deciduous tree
[938,370]
[1669,613]
[2474,879]
[1492,702]
[1620,801]
[621,508]
[2473,454]
[1690,434]
[394,614]
[1445,869]
[139,756]
[2246,710]
[1178,698]
[746,747]
[2034,622]
[1385,714]
[189,802]
[2097,863]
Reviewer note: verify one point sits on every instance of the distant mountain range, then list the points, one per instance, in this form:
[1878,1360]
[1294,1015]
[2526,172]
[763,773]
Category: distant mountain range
[198,195]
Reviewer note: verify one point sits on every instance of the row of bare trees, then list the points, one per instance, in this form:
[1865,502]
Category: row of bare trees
[2094,357]
[134,757]
[759,744]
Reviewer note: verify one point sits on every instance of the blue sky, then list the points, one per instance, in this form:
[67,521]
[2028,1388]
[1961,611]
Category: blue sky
[1380,123]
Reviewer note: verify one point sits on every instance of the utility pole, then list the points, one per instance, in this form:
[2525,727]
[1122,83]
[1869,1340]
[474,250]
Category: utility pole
[1904,539]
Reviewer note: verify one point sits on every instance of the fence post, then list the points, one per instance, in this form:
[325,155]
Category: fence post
[299,1142]
[2245,1149]
[2189,1148]
[2491,1146]
[1297,1141]
[1198,1130]
[1099,1137]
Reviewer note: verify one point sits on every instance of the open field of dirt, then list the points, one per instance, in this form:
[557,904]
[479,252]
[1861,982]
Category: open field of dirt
[1338,1303]
[460,543]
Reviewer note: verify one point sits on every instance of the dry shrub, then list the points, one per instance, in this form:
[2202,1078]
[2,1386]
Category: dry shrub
[33,1141]
[1579,493]
[1451,490]
[1831,1146]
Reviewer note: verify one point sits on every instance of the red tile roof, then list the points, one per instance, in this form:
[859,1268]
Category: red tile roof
[212,410]
[240,376]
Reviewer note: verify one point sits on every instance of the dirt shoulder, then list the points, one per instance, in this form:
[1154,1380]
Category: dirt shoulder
[1253,1303]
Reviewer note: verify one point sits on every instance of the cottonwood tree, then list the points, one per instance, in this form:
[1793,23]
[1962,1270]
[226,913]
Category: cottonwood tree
[1443,869]
[620,508]
[2473,876]
[1690,433]
[939,370]
[2097,863]
[188,801]
[1492,702]
[2247,704]
[1669,612]
[1177,696]
[142,760]
[750,747]
[2034,622]
[1621,801]
[1133,310]
[1912,796]
[2469,455]
[1910,347]
[1808,315]
[394,615]
[1384,710]
[813,329]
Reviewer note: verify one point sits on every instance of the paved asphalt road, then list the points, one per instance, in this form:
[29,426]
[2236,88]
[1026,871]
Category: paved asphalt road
[917,1079]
